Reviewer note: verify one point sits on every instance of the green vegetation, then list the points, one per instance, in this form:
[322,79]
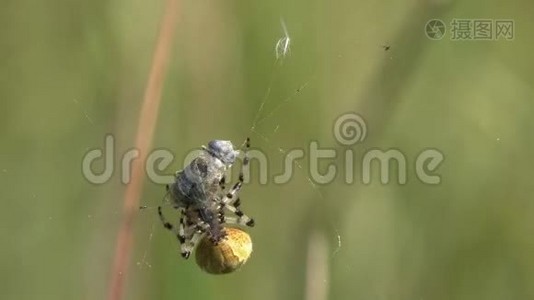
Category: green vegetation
[73,71]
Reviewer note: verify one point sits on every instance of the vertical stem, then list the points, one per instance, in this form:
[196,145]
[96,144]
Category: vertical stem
[317,268]
[145,131]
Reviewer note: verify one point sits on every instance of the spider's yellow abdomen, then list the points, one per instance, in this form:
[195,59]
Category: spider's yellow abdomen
[228,255]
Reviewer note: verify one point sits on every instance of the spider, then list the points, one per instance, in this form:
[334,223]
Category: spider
[199,193]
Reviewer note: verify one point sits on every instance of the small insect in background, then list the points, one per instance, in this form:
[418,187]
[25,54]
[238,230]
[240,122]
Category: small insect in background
[199,193]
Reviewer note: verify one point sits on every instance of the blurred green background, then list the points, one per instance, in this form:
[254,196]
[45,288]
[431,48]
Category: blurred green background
[73,71]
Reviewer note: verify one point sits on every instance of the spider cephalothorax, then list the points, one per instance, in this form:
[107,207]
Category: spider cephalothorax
[198,192]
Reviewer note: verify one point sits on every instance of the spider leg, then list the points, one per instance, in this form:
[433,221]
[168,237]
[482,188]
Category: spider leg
[245,160]
[188,247]
[242,218]
[231,202]
[229,199]
[191,232]
[164,221]
[236,220]
[181,233]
